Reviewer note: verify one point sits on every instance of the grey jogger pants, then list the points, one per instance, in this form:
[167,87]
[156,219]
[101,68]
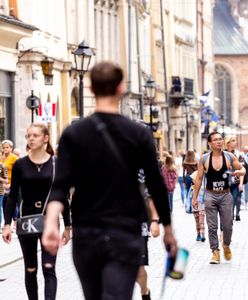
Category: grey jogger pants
[218,203]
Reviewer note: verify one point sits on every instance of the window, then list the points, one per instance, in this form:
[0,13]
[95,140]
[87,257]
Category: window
[223,91]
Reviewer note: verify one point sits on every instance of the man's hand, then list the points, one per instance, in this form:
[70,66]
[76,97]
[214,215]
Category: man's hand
[170,241]
[6,234]
[51,236]
[154,229]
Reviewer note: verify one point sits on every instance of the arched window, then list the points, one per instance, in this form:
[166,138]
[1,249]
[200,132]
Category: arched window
[223,91]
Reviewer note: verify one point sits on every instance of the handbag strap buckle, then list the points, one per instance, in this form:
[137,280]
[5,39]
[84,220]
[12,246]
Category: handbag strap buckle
[38,204]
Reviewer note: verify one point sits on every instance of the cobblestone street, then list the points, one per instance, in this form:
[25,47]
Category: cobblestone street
[202,281]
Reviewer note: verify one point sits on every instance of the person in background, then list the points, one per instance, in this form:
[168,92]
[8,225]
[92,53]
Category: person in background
[199,211]
[236,188]
[179,169]
[245,164]
[8,161]
[189,166]
[170,177]
[33,176]
[3,181]
[17,152]
[217,196]
[107,206]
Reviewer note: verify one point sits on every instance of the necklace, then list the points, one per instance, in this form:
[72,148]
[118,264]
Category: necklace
[39,167]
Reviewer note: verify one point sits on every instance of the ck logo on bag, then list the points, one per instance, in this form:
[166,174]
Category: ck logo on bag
[28,225]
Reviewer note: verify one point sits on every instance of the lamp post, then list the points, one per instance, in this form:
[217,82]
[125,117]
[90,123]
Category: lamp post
[47,68]
[82,56]
[208,116]
[186,104]
[150,91]
[222,123]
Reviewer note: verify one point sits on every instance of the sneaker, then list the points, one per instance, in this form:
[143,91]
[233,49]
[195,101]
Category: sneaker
[198,238]
[238,218]
[216,258]
[203,239]
[227,252]
[147,296]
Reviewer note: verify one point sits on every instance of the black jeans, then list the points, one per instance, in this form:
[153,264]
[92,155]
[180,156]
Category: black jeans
[107,262]
[29,250]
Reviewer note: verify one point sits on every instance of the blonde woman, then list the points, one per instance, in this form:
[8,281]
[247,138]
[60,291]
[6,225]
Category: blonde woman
[32,175]
[236,183]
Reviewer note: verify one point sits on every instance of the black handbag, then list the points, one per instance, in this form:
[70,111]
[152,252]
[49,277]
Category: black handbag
[33,225]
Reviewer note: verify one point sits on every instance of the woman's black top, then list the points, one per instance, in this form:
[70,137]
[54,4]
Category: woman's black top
[217,180]
[33,181]
[105,195]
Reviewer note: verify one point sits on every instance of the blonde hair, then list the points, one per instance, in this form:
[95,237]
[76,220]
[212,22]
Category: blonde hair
[169,163]
[228,139]
[190,157]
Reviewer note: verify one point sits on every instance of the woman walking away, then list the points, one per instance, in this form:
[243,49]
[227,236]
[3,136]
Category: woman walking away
[179,165]
[199,210]
[33,176]
[189,166]
[170,177]
[236,183]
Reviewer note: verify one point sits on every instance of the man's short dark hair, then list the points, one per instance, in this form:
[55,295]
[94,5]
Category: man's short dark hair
[105,78]
[211,134]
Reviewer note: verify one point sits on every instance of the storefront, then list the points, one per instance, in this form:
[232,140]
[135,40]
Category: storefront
[5,105]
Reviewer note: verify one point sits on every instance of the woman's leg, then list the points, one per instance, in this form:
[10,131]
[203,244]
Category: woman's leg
[48,268]
[202,222]
[29,250]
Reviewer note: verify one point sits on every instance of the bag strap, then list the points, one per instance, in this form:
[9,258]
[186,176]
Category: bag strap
[102,128]
[48,195]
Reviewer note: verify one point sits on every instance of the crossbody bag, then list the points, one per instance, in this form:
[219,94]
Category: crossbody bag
[33,225]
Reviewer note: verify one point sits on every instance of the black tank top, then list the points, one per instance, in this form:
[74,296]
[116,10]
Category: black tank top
[217,180]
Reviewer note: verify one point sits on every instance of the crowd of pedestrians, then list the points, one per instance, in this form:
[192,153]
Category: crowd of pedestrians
[111,220]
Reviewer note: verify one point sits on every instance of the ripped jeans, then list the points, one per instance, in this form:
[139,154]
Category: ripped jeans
[29,250]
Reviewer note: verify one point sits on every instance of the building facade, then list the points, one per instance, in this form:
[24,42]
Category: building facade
[149,39]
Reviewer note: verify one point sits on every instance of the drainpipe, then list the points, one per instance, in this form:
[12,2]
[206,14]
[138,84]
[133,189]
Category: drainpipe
[138,61]
[165,74]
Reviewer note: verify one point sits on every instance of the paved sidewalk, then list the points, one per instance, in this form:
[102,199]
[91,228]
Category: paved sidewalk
[227,281]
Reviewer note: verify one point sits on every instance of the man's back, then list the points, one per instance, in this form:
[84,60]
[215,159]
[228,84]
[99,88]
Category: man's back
[104,193]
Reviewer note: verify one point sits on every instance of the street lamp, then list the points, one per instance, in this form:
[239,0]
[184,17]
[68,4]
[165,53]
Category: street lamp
[47,68]
[82,56]
[150,91]
[208,117]
[186,104]
[222,123]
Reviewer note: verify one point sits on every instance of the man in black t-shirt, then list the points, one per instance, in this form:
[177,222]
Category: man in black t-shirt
[217,197]
[107,207]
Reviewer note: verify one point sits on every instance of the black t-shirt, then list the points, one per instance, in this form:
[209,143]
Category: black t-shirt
[104,195]
[33,182]
[217,180]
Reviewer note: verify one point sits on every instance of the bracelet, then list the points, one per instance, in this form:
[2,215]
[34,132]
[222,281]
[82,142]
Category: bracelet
[155,221]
